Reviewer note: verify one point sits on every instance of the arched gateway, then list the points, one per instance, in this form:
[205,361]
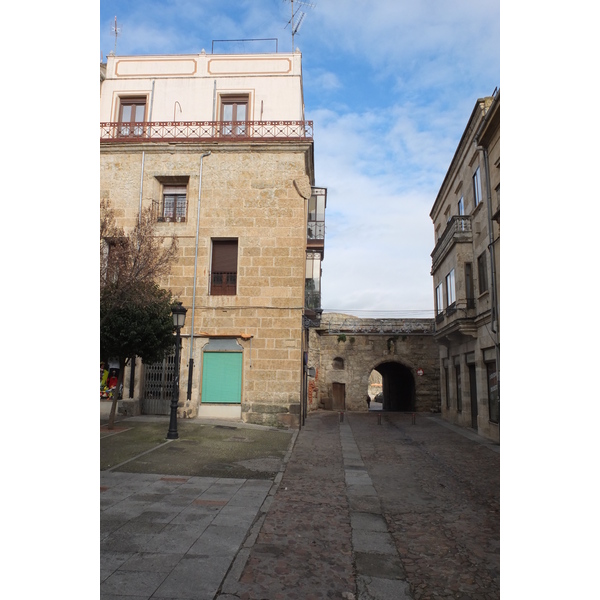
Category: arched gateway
[345,350]
[398,386]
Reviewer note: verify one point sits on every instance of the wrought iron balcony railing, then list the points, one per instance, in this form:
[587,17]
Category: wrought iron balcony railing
[315,230]
[192,131]
[223,284]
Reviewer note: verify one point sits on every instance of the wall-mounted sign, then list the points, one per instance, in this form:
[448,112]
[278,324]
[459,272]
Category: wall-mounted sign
[420,372]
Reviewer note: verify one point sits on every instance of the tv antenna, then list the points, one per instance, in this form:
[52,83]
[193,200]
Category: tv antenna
[116,30]
[297,18]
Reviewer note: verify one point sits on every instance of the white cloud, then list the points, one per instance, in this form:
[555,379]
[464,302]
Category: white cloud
[389,85]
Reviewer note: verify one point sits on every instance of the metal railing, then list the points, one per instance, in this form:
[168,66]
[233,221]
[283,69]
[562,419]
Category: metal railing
[191,131]
[315,230]
[223,284]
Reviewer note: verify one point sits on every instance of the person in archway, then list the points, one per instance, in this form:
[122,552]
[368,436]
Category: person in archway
[368,402]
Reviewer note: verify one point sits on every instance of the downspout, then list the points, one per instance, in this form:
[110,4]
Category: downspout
[491,248]
[144,156]
[214,112]
[191,361]
[491,245]
[141,188]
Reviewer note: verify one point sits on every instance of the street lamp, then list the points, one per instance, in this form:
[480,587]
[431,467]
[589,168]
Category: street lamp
[178,322]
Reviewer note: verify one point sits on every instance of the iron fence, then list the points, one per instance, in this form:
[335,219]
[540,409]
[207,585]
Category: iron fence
[191,131]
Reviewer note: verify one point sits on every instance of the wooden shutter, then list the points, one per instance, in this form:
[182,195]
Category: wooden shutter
[224,268]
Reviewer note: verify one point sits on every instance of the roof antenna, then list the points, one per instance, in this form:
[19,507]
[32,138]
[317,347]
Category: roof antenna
[116,31]
[297,23]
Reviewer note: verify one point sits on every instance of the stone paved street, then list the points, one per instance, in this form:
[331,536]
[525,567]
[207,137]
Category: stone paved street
[365,506]
[440,494]
[375,511]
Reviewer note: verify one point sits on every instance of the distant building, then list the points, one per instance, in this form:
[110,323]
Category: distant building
[394,359]
[219,147]
[466,275]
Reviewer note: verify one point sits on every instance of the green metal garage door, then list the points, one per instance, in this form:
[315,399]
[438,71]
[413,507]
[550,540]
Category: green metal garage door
[222,377]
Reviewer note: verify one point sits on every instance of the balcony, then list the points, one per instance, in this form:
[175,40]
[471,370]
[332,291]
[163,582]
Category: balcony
[223,284]
[457,231]
[193,131]
[312,299]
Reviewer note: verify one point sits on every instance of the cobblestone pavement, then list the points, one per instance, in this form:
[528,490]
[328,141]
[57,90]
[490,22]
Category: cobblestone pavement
[440,495]
[432,491]
[304,548]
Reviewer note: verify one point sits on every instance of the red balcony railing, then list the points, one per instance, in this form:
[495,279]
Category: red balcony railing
[191,131]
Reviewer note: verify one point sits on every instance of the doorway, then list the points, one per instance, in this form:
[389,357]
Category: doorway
[339,396]
[158,386]
[398,386]
[473,390]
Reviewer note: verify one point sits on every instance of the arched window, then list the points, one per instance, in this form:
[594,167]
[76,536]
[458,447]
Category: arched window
[338,363]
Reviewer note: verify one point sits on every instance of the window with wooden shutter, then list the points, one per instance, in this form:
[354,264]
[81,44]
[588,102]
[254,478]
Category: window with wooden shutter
[223,276]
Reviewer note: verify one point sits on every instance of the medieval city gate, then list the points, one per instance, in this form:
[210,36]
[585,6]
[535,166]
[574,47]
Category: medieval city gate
[344,350]
[398,386]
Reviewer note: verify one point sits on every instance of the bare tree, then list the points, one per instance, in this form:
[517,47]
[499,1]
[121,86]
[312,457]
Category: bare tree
[130,263]
[134,311]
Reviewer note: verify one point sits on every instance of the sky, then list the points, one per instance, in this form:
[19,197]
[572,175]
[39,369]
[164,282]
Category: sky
[389,86]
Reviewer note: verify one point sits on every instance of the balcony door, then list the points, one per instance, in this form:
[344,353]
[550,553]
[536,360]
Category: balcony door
[234,114]
[131,117]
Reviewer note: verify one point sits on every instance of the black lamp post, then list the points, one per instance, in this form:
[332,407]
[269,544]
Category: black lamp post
[179,312]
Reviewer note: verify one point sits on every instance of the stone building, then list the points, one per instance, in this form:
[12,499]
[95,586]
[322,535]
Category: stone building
[466,275]
[219,147]
[345,352]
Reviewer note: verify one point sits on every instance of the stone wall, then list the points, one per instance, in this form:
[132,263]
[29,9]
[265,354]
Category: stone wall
[249,194]
[345,350]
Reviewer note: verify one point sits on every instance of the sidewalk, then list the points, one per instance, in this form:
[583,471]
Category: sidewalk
[363,511]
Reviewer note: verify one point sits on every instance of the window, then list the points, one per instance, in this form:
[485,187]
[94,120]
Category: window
[477,186]
[223,275]
[482,272]
[316,215]
[450,288]
[439,299]
[313,280]
[469,285]
[131,117]
[234,109]
[461,206]
[174,204]
[338,363]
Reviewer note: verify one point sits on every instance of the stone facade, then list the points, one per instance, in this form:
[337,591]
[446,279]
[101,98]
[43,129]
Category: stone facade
[252,191]
[466,274]
[345,350]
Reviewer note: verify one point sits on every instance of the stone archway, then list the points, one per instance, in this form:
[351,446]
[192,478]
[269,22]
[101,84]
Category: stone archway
[398,386]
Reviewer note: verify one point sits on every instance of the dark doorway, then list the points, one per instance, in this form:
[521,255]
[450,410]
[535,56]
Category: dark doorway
[398,387]
[339,396]
[473,390]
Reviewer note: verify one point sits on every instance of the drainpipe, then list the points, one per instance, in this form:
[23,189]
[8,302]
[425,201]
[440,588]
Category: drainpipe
[144,155]
[214,113]
[191,362]
[491,248]
[141,188]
